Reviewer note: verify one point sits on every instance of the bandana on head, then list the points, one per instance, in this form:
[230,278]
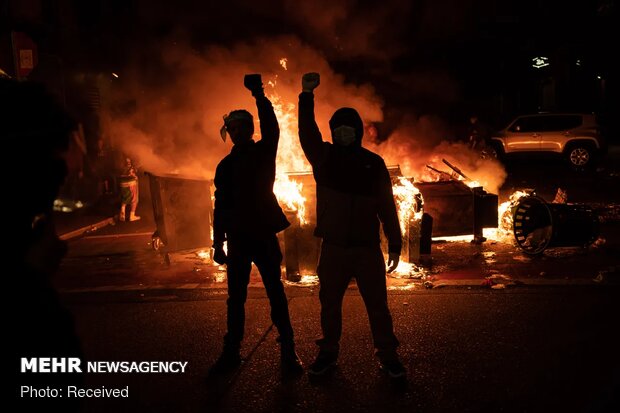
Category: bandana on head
[234,115]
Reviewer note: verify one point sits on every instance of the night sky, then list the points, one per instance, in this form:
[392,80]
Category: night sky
[443,56]
[469,49]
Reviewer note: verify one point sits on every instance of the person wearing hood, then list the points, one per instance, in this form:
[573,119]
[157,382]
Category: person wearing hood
[354,197]
[247,217]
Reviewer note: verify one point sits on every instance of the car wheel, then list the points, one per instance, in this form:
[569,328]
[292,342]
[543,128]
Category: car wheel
[580,156]
[494,151]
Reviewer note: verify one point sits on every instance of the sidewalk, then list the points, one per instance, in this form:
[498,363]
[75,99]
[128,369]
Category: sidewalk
[126,262]
[102,217]
[70,225]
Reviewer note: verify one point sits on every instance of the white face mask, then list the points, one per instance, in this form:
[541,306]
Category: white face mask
[343,135]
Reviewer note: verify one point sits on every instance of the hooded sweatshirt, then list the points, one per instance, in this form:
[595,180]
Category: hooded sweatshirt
[354,189]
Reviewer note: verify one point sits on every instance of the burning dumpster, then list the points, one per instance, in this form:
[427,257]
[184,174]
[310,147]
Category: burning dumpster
[457,208]
[182,209]
[301,247]
[539,225]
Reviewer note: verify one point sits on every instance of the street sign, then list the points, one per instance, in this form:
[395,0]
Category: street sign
[24,54]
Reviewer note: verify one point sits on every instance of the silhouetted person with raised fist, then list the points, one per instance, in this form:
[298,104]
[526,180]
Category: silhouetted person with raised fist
[354,196]
[247,217]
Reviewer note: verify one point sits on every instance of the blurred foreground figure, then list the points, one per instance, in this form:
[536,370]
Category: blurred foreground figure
[35,133]
[354,195]
[247,216]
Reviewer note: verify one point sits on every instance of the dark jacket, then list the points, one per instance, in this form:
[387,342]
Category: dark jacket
[245,204]
[354,189]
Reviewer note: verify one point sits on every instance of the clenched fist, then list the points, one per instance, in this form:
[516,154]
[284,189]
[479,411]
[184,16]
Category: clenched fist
[254,83]
[310,81]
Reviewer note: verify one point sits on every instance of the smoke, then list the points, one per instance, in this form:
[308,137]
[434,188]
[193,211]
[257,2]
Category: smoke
[354,28]
[171,122]
[427,140]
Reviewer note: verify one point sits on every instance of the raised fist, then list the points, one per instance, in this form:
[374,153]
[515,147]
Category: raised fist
[310,81]
[253,82]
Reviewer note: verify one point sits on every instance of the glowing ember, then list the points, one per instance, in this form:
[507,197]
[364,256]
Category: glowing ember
[409,270]
[305,281]
[283,62]
[456,238]
[219,277]
[204,255]
[405,287]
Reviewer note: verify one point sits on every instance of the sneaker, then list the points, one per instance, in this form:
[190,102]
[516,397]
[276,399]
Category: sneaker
[323,363]
[228,361]
[134,217]
[393,368]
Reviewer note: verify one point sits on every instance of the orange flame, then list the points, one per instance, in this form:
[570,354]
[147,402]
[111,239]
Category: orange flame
[283,63]
[405,195]
[504,230]
[290,155]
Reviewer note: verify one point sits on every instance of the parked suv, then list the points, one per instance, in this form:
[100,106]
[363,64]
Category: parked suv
[576,136]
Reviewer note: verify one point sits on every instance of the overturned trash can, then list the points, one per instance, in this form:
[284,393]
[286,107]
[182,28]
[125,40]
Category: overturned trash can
[183,210]
[539,225]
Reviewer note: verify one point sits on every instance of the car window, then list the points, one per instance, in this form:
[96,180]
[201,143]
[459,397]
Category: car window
[561,122]
[545,123]
[527,124]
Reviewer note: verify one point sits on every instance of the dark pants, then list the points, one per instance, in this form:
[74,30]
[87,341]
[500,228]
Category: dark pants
[337,266]
[265,253]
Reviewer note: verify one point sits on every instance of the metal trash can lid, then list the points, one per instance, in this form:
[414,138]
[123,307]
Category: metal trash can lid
[532,224]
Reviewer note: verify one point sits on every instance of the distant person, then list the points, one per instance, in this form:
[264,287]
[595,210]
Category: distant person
[354,196]
[36,133]
[247,216]
[478,134]
[128,182]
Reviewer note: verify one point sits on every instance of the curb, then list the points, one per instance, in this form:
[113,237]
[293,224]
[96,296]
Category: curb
[458,284]
[87,228]
[515,282]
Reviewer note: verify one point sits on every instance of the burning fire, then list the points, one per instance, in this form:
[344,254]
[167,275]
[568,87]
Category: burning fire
[408,202]
[290,155]
[204,255]
[289,195]
[408,198]
[503,233]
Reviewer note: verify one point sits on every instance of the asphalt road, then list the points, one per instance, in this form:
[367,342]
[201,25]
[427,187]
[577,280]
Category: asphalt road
[543,349]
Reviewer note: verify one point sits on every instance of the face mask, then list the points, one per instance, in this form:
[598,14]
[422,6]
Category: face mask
[343,135]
